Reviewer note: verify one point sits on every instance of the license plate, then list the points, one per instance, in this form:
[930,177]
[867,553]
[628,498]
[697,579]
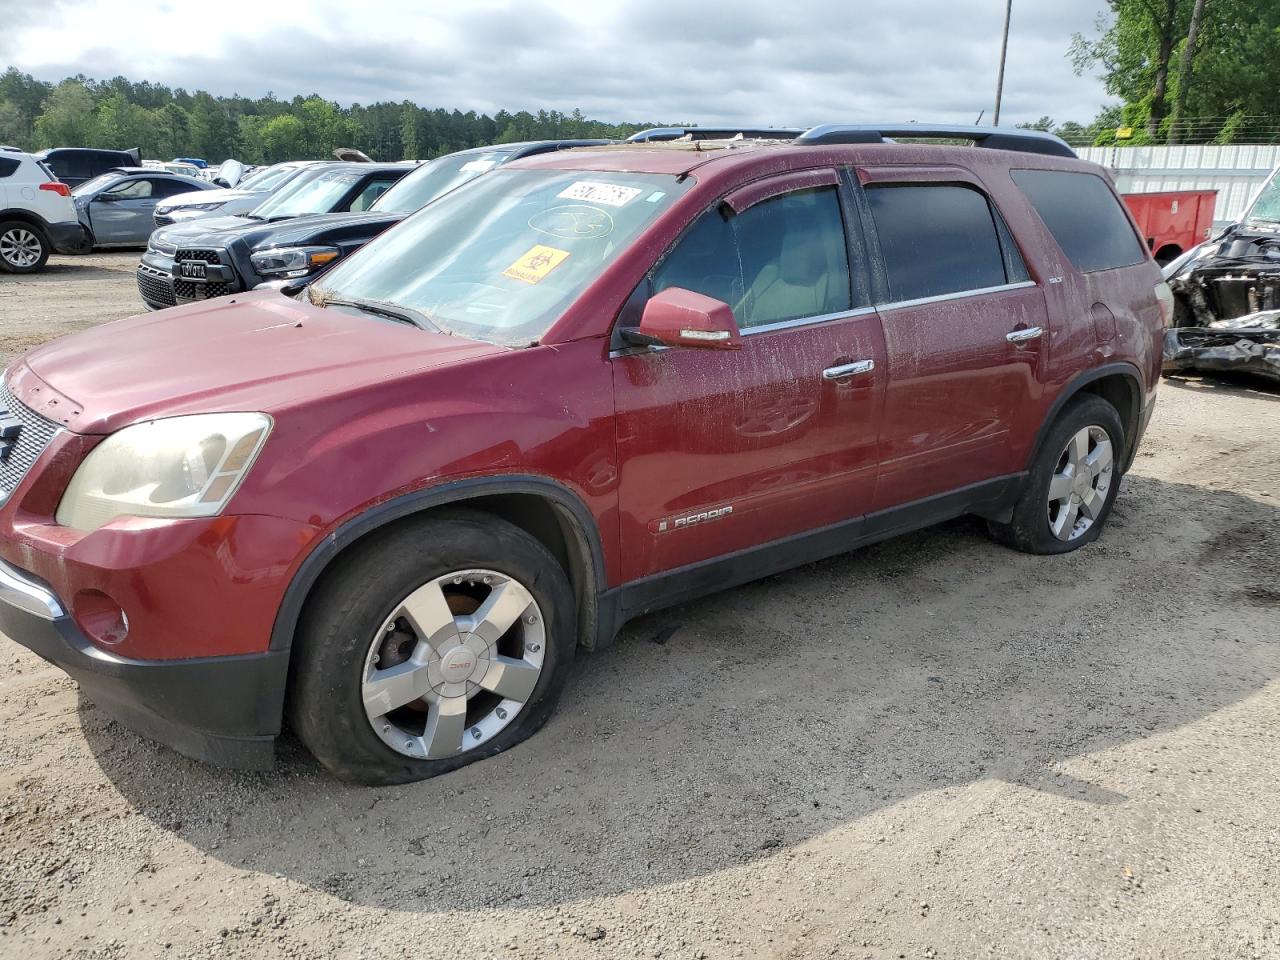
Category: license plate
[193,269]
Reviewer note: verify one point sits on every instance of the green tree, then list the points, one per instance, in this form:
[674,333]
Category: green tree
[68,118]
[284,138]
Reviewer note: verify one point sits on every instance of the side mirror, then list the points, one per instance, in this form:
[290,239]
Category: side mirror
[677,317]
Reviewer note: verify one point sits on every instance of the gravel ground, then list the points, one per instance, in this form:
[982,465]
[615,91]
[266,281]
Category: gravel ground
[931,748]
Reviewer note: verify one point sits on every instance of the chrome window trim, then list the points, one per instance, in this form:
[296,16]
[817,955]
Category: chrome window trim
[959,295]
[806,321]
[17,591]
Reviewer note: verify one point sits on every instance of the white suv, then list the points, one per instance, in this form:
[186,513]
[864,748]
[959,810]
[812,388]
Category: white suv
[37,216]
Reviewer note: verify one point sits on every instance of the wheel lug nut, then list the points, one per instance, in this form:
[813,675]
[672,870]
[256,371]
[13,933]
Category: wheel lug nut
[408,744]
[457,580]
[531,619]
[376,658]
[533,647]
[488,579]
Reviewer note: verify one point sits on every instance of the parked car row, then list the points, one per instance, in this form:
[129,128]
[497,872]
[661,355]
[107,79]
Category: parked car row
[390,498]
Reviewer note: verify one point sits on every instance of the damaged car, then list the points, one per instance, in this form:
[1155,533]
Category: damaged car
[1227,297]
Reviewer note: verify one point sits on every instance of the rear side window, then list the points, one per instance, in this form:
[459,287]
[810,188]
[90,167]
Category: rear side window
[938,239]
[1084,216]
[782,259]
[8,166]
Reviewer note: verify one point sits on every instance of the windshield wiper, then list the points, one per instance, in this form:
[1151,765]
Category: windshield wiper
[390,311]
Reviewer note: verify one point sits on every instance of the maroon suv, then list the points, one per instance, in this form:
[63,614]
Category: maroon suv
[391,504]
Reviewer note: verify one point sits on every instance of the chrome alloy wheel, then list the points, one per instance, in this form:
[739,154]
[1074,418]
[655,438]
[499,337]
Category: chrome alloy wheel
[1078,489]
[20,247]
[453,664]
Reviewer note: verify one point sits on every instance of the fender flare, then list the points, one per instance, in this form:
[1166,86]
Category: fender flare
[1128,370]
[329,547]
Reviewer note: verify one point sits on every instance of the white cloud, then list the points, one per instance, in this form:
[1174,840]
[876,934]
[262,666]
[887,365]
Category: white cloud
[714,61]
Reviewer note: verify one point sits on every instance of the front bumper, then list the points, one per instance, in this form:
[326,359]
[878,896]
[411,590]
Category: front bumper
[220,710]
[71,237]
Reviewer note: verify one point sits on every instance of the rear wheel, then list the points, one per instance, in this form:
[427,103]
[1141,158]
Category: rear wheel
[24,248]
[1073,483]
[446,641]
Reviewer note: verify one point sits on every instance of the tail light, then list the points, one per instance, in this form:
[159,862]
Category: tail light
[58,187]
[1165,297]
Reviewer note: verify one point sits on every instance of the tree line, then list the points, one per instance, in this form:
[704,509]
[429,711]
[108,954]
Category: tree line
[166,122]
[1186,71]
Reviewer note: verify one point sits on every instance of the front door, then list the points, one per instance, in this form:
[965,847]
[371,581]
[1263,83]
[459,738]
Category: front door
[124,213]
[966,332]
[721,450]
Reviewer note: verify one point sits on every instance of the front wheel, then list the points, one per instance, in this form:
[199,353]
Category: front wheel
[443,642]
[23,247]
[1073,483]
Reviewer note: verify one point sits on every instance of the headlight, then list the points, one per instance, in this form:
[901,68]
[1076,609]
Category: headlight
[293,261]
[176,467]
[183,208]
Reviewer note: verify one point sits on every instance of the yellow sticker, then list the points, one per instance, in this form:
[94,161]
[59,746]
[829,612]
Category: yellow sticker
[535,264]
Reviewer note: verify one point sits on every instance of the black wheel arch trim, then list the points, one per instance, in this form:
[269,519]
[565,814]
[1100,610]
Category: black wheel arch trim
[458,492]
[28,216]
[1072,390]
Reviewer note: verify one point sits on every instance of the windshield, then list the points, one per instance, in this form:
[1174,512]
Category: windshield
[267,179]
[96,184]
[314,194]
[500,259]
[435,179]
[1266,205]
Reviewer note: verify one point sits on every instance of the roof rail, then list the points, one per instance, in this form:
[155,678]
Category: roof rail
[714,133]
[995,138]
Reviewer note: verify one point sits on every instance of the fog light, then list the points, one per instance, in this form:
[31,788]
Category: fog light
[100,617]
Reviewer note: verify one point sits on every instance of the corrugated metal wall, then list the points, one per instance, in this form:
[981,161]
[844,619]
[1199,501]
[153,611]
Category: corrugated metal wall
[1236,172]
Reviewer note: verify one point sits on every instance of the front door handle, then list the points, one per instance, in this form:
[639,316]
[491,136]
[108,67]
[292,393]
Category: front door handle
[1022,336]
[848,370]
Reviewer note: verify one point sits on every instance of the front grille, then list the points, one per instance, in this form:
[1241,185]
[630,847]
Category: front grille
[35,434]
[208,256]
[161,220]
[189,290]
[155,286]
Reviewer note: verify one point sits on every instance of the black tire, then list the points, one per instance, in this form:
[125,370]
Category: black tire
[349,604]
[1029,530]
[16,228]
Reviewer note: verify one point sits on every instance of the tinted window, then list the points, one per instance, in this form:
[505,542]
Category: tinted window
[8,165]
[70,164]
[936,239]
[1084,216]
[169,188]
[782,259]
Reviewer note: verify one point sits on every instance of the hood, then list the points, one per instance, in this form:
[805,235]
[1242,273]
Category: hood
[258,351]
[221,232]
[325,228]
[220,195]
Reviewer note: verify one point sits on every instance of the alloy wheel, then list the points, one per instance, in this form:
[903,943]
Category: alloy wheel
[454,664]
[1078,488]
[20,247]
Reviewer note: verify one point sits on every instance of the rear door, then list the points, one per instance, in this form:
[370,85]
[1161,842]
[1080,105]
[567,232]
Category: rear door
[965,331]
[721,451]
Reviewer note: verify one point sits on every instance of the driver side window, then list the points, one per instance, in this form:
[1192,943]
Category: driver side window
[782,259]
[131,190]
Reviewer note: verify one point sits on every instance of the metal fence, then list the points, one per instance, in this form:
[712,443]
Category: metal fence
[1236,172]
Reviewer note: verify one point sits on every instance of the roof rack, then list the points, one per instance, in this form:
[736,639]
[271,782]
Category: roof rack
[656,134]
[995,138]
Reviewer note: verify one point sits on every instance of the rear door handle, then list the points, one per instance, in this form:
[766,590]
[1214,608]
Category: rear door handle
[1022,336]
[848,370]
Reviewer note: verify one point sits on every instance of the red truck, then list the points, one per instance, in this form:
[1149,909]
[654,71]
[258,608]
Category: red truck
[1174,221]
[391,504]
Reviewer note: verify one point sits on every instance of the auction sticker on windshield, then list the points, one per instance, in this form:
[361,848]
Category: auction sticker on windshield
[534,265]
[592,191]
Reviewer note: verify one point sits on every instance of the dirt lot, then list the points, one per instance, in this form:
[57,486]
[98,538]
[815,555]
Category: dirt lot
[931,748]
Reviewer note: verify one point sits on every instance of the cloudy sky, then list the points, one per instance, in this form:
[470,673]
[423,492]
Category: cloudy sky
[778,62]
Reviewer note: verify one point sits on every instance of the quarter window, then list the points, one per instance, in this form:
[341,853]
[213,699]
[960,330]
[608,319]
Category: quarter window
[938,239]
[782,259]
[1084,216]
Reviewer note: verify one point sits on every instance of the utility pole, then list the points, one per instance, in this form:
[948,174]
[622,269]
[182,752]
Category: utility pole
[1004,52]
